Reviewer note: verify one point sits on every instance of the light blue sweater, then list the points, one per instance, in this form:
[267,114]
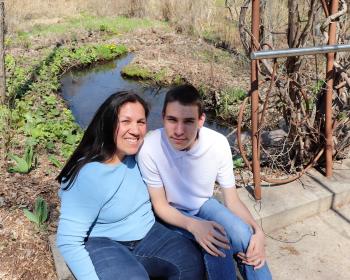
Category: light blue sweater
[104,201]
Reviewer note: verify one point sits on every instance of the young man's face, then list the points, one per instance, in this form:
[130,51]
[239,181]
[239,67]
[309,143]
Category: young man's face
[181,124]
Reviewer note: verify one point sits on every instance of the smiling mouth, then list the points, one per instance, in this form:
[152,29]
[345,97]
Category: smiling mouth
[132,140]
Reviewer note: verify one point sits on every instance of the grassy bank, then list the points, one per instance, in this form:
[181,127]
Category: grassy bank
[36,111]
[214,20]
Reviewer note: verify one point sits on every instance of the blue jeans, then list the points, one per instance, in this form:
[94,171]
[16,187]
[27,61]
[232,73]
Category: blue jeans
[239,234]
[161,253]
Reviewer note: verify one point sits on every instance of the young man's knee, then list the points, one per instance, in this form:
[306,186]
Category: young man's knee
[239,235]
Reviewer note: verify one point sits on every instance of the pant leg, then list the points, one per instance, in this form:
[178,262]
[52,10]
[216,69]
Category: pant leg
[238,232]
[114,261]
[165,253]
[217,268]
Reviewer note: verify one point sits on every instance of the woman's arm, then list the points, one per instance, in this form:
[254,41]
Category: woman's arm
[80,206]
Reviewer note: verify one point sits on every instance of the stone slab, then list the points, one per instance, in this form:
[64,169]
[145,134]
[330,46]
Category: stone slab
[315,248]
[313,193]
[62,270]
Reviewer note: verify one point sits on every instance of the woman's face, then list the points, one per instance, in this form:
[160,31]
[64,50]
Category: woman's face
[131,129]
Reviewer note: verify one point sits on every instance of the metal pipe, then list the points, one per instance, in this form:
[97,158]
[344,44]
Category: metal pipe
[300,51]
[255,100]
[329,93]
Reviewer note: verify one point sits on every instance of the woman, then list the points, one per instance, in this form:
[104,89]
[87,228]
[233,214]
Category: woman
[107,229]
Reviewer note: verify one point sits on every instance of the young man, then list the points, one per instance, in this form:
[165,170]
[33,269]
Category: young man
[180,164]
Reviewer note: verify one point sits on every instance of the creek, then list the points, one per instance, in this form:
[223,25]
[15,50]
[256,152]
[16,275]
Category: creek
[85,90]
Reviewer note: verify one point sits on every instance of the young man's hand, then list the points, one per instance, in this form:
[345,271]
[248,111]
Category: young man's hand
[255,255]
[210,235]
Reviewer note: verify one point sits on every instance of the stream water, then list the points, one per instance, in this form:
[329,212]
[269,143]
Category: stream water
[85,90]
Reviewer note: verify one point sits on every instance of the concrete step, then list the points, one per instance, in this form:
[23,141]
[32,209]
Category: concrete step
[312,194]
[315,248]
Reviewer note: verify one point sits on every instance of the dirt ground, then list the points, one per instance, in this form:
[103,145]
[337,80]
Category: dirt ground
[24,250]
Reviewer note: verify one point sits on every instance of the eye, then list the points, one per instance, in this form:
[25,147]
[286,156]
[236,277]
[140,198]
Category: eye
[189,121]
[125,121]
[141,122]
[171,120]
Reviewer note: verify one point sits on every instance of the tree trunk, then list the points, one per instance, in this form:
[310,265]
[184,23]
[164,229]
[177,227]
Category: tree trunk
[2,55]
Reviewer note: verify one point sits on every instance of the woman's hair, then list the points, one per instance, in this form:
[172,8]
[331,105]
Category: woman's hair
[98,142]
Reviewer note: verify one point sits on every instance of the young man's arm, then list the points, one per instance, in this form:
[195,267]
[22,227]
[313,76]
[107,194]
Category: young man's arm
[255,254]
[208,234]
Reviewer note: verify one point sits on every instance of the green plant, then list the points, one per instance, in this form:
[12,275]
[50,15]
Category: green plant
[320,84]
[228,102]
[55,161]
[23,164]
[39,214]
[238,162]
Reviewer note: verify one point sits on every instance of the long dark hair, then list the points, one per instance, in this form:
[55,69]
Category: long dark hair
[98,142]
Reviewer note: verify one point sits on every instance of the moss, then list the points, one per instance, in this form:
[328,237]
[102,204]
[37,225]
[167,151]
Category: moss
[137,72]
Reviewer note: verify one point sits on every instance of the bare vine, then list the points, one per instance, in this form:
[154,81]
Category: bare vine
[293,103]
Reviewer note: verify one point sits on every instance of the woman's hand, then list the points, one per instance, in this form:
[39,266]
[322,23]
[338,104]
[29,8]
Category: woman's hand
[255,255]
[210,235]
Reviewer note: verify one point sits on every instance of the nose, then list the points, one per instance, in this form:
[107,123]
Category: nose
[179,129]
[134,129]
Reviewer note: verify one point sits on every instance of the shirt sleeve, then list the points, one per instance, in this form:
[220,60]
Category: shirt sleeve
[80,206]
[148,168]
[225,176]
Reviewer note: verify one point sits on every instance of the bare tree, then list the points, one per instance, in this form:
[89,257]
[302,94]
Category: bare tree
[2,54]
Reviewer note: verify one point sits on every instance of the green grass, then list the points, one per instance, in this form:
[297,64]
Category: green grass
[114,25]
[70,29]
[136,72]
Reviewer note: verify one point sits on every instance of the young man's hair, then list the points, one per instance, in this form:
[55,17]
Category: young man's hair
[186,95]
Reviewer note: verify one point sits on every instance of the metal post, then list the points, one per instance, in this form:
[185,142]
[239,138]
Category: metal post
[255,100]
[329,94]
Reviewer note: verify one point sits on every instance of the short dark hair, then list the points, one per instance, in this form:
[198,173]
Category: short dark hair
[186,95]
[98,142]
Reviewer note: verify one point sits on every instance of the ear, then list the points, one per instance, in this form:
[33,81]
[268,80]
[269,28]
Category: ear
[201,120]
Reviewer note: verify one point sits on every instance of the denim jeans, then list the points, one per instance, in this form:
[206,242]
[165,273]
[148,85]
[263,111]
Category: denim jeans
[239,234]
[161,253]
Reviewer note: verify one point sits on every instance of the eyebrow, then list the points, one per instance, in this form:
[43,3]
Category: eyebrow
[175,118]
[129,118]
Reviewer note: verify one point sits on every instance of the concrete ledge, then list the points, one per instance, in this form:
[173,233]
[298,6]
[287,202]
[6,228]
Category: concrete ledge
[62,270]
[312,194]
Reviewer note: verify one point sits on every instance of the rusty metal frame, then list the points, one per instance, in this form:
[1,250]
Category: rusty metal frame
[328,149]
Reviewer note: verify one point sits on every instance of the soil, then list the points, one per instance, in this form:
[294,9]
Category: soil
[24,250]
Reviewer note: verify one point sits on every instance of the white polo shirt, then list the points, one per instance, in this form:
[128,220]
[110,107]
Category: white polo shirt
[187,176]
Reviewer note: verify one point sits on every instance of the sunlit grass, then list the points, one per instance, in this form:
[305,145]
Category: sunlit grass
[116,25]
